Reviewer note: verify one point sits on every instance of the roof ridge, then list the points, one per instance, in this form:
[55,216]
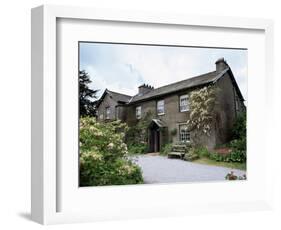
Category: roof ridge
[192,78]
[118,93]
[198,80]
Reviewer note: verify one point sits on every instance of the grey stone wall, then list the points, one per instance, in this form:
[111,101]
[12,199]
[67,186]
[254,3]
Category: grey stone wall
[172,117]
[107,102]
[228,107]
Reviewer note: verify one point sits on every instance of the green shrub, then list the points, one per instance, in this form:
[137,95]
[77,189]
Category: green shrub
[240,126]
[137,148]
[103,155]
[238,144]
[191,154]
[234,156]
[138,133]
[216,156]
[238,156]
[165,150]
[202,152]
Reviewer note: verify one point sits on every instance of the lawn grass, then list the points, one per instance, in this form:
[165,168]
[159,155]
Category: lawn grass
[233,165]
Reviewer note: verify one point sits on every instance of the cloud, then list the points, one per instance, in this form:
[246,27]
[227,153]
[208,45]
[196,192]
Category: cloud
[123,68]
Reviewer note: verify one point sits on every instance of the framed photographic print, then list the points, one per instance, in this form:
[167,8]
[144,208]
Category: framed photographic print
[140,115]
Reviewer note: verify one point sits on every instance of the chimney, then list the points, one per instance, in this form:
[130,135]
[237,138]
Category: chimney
[143,89]
[221,64]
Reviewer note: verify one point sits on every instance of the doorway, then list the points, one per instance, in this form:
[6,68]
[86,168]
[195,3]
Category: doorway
[154,139]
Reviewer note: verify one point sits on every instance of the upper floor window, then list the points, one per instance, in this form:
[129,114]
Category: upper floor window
[107,113]
[184,106]
[184,133]
[138,112]
[160,107]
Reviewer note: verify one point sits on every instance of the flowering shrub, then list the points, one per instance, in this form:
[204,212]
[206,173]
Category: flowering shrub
[232,176]
[103,155]
[202,103]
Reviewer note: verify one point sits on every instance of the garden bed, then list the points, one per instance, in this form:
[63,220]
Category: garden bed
[232,165]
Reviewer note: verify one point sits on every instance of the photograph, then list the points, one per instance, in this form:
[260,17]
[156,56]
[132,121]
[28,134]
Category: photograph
[157,114]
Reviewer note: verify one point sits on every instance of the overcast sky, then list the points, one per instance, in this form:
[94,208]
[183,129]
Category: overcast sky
[122,68]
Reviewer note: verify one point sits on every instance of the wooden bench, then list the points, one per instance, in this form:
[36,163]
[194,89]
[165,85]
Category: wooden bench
[176,155]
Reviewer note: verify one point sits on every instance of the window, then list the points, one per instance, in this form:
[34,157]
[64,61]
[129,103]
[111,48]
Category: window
[101,116]
[184,106]
[138,112]
[160,107]
[184,134]
[107,113]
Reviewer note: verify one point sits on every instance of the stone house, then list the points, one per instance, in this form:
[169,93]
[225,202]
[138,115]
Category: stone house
[169,106]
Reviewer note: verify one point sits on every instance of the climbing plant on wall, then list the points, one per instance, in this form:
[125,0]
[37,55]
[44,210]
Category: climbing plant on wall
[202,103]
[137,135]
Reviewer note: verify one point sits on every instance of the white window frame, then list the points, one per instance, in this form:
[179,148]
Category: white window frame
[182,98]
[138,112]
[186,140]
[158,105]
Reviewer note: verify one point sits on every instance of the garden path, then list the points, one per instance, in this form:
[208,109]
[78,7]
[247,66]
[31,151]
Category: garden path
[159,169]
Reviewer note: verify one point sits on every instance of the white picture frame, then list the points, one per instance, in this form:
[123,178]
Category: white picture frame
[45,167]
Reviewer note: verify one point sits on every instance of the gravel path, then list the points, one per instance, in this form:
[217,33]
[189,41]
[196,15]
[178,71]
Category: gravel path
[159,169]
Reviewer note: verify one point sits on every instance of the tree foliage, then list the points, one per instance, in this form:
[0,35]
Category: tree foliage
[202,103]
[239,127]
[103,155]
[86,95]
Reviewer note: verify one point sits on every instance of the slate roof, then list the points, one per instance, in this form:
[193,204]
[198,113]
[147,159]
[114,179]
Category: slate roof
[200,80]
[119,96]
[197,81]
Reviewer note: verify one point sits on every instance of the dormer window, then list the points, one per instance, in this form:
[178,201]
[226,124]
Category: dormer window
[160,107]
[138,112]
[184,105]
[107,113]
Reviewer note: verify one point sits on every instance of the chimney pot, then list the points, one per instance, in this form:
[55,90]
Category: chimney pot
[145,88]
[221,65]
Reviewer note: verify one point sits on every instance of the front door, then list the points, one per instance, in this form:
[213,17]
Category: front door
[156,141]
[156,136]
